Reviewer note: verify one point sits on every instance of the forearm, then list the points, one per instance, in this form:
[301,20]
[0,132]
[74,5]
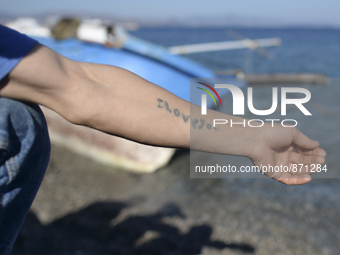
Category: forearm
[122,103]
[107,98]
[118,102]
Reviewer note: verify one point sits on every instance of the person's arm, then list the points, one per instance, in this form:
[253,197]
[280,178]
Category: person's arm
[121,103]
[103,97]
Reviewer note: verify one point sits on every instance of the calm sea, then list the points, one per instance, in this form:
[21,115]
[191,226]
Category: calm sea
[302,50]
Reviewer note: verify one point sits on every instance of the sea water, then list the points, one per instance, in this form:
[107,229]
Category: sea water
[303,50]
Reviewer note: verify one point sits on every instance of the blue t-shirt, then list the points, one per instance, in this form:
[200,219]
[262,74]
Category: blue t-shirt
[13,47]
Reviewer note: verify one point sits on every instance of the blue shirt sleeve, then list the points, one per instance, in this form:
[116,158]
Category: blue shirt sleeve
[13,47]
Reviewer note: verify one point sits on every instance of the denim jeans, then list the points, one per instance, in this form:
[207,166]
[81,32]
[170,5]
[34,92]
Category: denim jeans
[24,155]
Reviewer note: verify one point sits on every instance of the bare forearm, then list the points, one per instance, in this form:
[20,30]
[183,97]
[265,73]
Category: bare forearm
[115,101]
[107,98]
[119,102]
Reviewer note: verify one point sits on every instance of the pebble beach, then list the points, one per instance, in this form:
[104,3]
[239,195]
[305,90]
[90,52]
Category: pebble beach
[84,208]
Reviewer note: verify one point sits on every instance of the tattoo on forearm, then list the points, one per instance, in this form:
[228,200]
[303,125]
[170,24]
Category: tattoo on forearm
[185,118]
[195,123]
[160,103]
[201,124]
[176,112]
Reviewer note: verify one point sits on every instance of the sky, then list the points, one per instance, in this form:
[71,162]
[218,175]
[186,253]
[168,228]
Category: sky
[307,12]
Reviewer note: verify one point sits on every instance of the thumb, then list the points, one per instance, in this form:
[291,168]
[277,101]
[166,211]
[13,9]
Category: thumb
[304,141]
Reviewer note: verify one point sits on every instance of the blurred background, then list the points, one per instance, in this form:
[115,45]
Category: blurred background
[87,207]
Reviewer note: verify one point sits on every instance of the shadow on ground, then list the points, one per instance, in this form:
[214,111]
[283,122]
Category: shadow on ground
[99,229]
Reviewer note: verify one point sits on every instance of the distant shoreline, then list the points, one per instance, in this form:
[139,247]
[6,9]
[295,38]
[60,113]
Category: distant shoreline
[205,22]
